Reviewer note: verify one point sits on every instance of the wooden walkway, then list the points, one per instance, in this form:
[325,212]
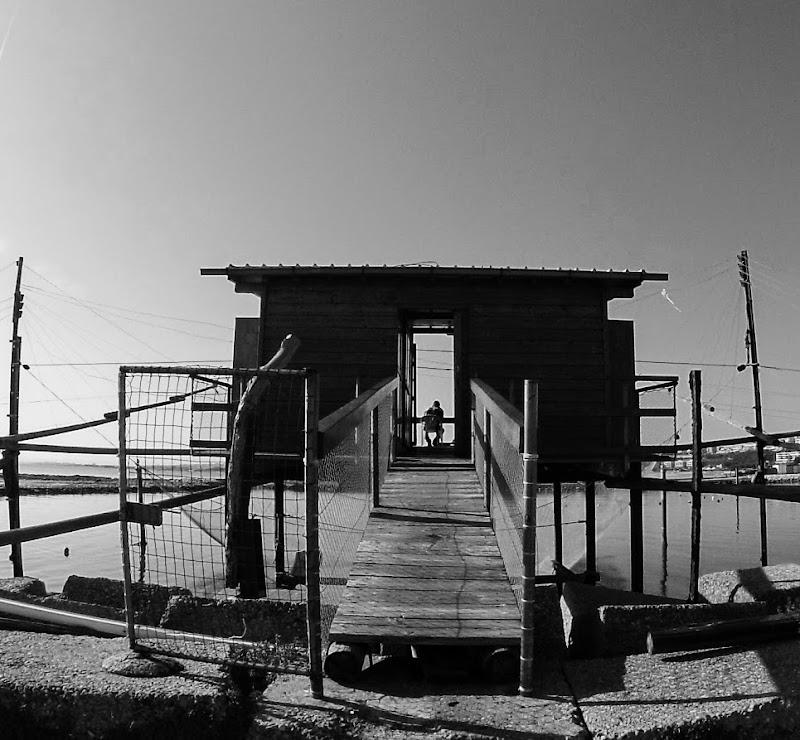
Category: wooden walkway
[428,570]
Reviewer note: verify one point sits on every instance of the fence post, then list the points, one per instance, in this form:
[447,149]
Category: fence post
[142,531]
[123,511]
[313,608]
[530,459]
[374,455]
[697,480]
[487,459]
[393,432]
[635,496]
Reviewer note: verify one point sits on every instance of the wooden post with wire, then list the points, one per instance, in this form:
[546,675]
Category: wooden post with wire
[11,452]
[695,385]
[311,485]
[752,352]
[530,460]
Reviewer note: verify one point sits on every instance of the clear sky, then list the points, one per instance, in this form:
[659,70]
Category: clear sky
[140,141]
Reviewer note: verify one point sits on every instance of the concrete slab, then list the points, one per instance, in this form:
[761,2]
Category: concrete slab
[777,585]
[720,693]
[391,702]
[55,686]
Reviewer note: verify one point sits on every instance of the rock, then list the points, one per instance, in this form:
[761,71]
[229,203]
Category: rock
[135,665]
[24,586]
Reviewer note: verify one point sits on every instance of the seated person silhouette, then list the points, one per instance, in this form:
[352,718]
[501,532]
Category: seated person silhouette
[432,424]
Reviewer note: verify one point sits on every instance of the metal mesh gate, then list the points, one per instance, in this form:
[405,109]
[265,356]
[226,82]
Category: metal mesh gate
[193,539]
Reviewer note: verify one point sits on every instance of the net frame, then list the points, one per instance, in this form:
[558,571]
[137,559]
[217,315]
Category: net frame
[193,449]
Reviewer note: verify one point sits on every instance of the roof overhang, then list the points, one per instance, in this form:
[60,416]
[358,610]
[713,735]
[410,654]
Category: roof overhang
[252,278]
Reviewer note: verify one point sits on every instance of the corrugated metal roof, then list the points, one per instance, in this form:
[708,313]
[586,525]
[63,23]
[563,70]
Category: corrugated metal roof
[245,273]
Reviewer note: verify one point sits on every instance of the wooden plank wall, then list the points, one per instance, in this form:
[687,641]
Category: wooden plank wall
[550,330]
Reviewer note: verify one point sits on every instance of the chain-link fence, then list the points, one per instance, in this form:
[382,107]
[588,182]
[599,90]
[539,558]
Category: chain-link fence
[219,504]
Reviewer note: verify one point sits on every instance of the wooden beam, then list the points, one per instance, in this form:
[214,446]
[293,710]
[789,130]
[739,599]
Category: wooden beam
[772,491]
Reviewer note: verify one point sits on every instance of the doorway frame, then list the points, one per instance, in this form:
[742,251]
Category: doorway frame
[407,372]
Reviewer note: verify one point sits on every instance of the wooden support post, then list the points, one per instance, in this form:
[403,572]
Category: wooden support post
[695,385]
[664,550]
[236,527]
[123,510]
[311,484]
[558,532]
[664,509]
[487,460]
[591,533]
[11,455]
[279,490]
[635,497]
[11,481]
[142,531]
[752,351]
[374,457]
[530,459]
[393,431]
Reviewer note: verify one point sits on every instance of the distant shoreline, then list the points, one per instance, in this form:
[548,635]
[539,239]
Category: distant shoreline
[32,484]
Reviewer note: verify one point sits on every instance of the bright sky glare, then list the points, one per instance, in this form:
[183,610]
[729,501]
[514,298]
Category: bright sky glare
[142,141]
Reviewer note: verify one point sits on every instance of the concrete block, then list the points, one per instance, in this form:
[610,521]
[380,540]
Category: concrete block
[777,585]
[149,600]
[580,605]
[624,628]
[256,620]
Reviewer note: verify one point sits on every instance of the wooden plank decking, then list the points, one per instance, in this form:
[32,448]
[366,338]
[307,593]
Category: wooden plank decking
[428,569]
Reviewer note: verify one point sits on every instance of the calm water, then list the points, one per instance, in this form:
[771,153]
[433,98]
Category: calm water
[730,536]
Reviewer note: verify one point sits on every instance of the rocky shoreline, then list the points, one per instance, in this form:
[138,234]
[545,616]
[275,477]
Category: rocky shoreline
[32,484]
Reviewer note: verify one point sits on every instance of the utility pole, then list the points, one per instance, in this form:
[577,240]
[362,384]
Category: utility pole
[752,352]
[11,453]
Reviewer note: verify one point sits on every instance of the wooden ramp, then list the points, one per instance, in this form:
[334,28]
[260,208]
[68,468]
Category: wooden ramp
[428,570]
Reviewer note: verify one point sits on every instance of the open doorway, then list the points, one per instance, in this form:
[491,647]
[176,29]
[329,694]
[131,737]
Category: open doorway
[435,380]
[429,370]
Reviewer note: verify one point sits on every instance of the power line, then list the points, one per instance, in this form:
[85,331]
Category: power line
[83,303]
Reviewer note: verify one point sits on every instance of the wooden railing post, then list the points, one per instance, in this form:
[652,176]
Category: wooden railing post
[635,495]
[123,510]
[530,459]
[487,459]
[695,385]
[311,483]
[374,461]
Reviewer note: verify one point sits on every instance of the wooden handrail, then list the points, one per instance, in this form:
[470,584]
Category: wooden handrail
[771,491]
[336,426]
[506,419]
[40,531]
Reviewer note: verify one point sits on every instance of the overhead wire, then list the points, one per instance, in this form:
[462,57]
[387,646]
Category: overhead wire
[112,323]
[64,403]
[66,297]
[150,323]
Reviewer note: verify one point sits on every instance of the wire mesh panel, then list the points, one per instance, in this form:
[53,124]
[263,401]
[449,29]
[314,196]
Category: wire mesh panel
[227,497]
[346,496]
